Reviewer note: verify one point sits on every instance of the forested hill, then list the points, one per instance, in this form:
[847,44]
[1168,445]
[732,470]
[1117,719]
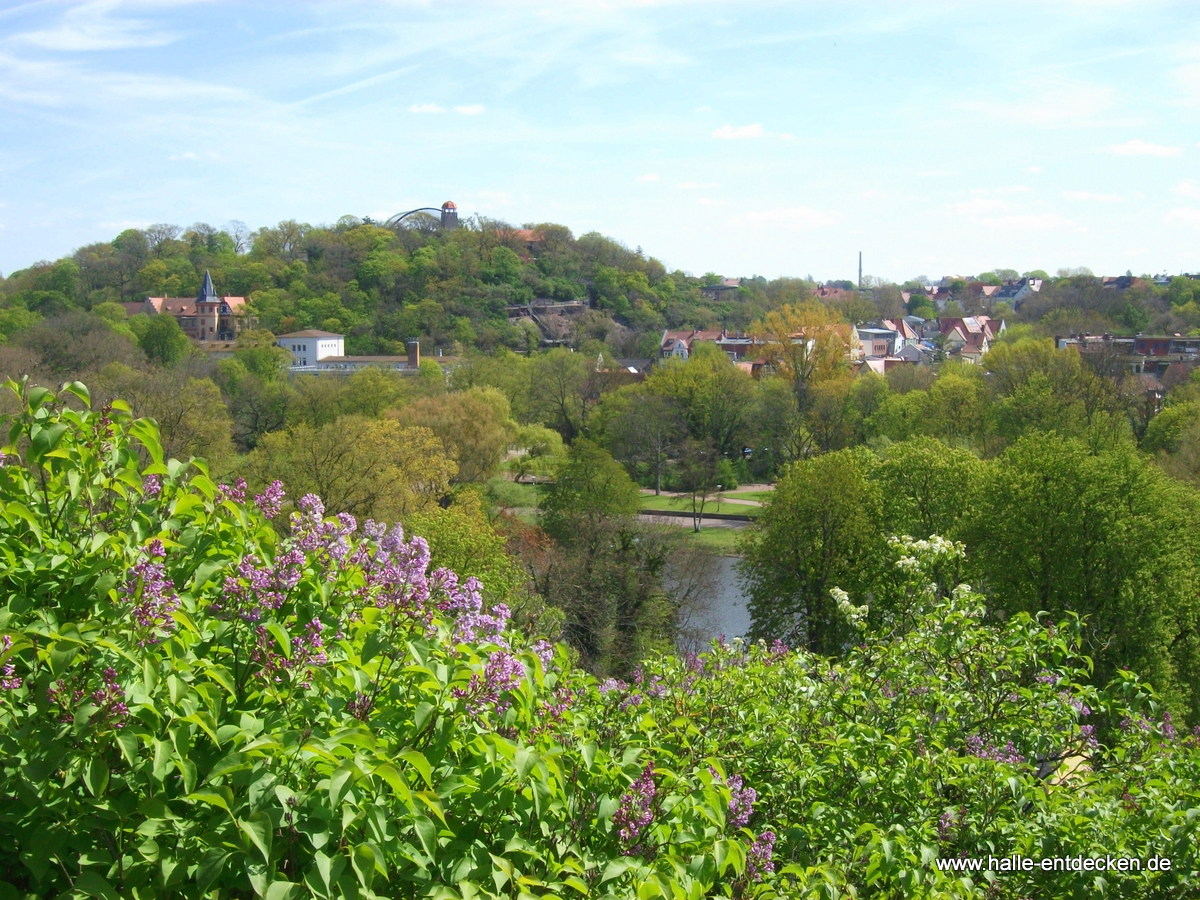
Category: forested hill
[381,286]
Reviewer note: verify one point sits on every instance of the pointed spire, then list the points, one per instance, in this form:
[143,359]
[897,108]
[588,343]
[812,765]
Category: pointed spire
[207,294]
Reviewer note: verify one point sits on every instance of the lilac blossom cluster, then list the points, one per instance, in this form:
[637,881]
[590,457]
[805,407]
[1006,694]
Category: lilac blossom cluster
[741,799]
[9,680]
[152,486]
[502,673]
[329,539]
[235,492]
[258,588]
[976,746]
[760,860]
[270,501]
[307,651]
[109,700]
[949,823]
[636,811]
[466,601]
[152,595]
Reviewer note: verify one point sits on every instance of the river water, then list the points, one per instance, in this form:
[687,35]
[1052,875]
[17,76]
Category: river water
[720,609]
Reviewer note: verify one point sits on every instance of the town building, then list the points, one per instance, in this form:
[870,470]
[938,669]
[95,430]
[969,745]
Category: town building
[205,317]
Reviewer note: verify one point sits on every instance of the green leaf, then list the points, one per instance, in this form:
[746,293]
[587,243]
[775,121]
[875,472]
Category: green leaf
[282,638]
[427,835]
[281,890]
[417,760]
[209,798]
[258,830]
[45,438]
[526,758]
[92,885]
[95,775]
[340,781]
[395,781]
[79,389]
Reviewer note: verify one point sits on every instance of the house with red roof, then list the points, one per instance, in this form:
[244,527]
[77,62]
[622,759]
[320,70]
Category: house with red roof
[205,317]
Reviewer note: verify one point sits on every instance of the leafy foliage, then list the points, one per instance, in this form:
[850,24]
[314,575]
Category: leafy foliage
[195,704]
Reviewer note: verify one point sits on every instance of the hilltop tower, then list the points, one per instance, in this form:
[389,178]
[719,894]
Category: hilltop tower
[449,215]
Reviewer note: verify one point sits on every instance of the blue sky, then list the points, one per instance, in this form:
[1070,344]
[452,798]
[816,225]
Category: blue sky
[740,138]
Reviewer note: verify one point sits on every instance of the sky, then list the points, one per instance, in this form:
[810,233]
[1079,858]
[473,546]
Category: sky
[749,138]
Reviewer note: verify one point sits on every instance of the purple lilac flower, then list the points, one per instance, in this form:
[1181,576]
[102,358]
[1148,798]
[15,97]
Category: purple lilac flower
[544,650]
[611,684]
[360,707]
[502,673]
[109,700]
[8,677]
[759,861]
[473,625]
[1168,728]
[741,801]
[946,825]
[270,501]
[152,595]
[976,746]
[235,492]
[1088,733]
[636,811]
[1047,677]
[308,651]
[152,485]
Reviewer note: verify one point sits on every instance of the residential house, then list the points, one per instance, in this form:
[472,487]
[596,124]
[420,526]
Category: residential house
[310,346]
[205,317]
[1014,293]
[678,344]
[906,331]
[969,337]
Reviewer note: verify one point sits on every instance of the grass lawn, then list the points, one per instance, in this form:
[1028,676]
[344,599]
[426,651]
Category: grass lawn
[509,494]
[719,540]
[684,504]
[750,495]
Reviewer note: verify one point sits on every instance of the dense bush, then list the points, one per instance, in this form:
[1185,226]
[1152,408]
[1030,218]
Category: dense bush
[195,706]
[194,703]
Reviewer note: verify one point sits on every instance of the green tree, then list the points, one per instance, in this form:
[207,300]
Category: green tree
[163,341]
[1106,536]
[928,488]
[370,468]
[820,530]
[590,487]
[474,426]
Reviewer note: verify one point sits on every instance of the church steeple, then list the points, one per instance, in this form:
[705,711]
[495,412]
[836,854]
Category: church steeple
[207,294]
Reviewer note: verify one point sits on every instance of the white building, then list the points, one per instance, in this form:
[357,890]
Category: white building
[310,346]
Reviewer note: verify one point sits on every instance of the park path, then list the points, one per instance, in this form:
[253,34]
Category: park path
[726,496]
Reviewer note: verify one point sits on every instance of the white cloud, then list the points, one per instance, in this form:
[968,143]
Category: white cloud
[697,185]
[978,206]
[1049,103]
[1093,196]
[1189,188]
[648,178]
[471,109]
[1032,222]
[792,218]
[1034,170]
[1184,215]
[1138,147]
[739,132]
[426,108]
[88,26]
